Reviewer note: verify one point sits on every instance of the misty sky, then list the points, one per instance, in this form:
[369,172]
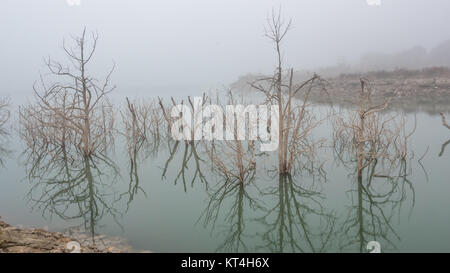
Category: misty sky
[198,42]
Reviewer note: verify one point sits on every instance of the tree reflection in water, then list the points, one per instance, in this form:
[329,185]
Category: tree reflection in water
[298,222]
[141,128]
[373,147]
[190,158]
[74,187]
[241,202]
[291,214]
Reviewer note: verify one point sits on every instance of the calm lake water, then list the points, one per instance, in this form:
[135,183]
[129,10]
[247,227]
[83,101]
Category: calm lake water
[158,203]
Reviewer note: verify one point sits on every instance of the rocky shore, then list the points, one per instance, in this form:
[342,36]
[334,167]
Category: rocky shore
[35,240]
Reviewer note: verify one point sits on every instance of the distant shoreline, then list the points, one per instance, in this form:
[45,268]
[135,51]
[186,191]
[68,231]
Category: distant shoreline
[426,89]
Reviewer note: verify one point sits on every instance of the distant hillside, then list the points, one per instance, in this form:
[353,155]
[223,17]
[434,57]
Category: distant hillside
[413,58]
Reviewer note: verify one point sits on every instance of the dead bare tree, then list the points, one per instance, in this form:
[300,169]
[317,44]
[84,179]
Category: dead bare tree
[190,145]
[4,115]
[234,159]
[369,135]
[68,132]
[295,119]
[4,132]
[142,122]
[374,147]
[71,104]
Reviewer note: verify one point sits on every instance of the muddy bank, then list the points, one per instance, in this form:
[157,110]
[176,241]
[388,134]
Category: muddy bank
[35,240]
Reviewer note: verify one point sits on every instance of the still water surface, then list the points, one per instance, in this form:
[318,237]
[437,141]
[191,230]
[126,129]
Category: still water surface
[158,203]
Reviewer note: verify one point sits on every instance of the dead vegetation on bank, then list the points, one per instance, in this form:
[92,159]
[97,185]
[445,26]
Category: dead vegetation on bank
[427,89]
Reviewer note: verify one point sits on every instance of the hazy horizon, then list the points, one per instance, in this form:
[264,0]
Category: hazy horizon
[208,43]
